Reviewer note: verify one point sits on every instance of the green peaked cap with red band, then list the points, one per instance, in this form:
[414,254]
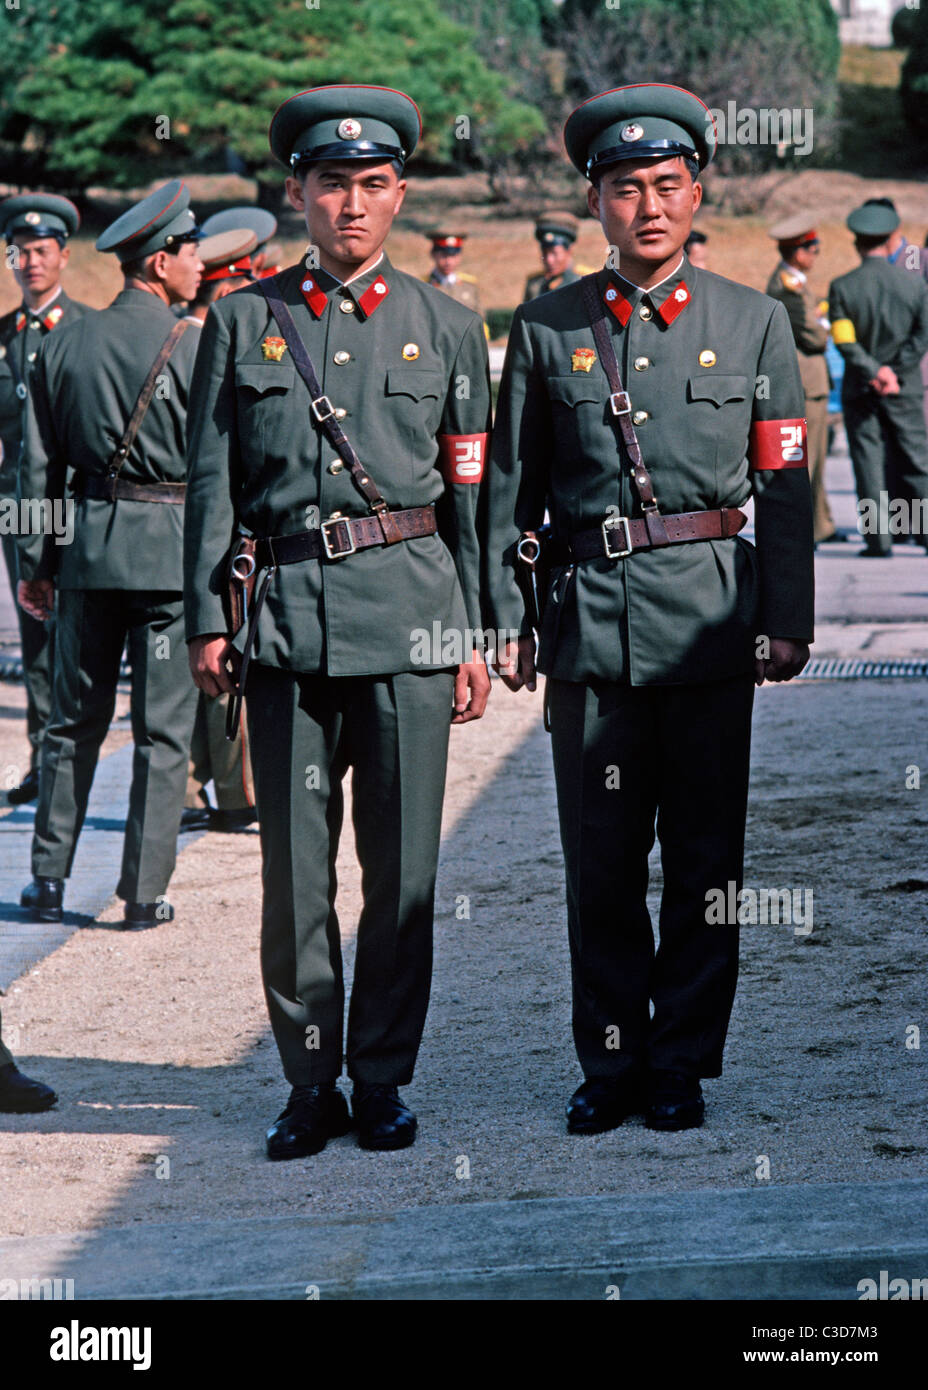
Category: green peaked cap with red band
[156,223]
[345,122]
[649,120]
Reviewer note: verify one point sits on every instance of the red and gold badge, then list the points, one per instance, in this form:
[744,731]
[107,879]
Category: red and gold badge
[273,349]
[582,359]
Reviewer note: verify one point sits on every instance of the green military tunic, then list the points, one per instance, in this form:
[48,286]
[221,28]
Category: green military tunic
[22,333]
[120,580]
[543,283]
[340,677]
[790,287]
[650,658]
[880,318]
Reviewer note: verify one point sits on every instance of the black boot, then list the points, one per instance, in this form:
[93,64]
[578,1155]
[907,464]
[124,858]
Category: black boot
[43,899]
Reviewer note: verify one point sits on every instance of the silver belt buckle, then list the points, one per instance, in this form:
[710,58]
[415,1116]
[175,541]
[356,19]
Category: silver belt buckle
[338,554]
[322,408]
[612,523]
[621,405]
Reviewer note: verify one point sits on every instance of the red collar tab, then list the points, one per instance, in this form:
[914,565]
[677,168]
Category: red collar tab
[675,303]
[53,316]
[316,298]
[617,304]
[374,295]
[20,320]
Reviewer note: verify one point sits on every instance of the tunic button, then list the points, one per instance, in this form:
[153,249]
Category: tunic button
[341,358]
[340,412]
[32,356]
[347,306]
[335,516]
[644,312]
[35,324]
[639,417]
[642,364]
[336,466]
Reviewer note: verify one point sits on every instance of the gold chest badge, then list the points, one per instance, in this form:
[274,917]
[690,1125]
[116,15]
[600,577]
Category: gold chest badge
[273,349]
[582,359]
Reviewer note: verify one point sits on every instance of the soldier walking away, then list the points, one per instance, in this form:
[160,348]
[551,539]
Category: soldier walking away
[19,1094]
[304,383]
[37,227]
[879,323]
[109,403]
[642,410]
[798,244]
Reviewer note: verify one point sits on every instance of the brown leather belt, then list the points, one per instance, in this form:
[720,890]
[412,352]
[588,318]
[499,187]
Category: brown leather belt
[619,536]
[341,536]
[108,489]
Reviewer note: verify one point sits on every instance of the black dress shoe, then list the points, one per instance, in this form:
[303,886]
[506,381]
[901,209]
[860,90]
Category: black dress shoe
[313,1115]
[230,822]
[195,818]
[676,1101]
[383,1121]
[868,553]
[602,1103]
[20,1095]
[138,916]
[28,790]
[43,899]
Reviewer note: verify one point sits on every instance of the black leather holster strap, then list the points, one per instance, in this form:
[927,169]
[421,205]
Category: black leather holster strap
[341,536]
[620,536]
[108,488]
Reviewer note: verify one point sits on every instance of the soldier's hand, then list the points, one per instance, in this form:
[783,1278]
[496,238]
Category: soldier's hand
[515,664]
[786,660]
[471,690]
[211,657]
[36,597]
[885,383]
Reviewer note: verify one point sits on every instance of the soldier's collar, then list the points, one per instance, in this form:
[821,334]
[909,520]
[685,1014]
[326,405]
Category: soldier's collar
[667,299]
[368,291]
[798,274]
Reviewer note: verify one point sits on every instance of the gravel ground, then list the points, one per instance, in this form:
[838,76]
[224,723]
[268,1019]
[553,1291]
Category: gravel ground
[157,1041]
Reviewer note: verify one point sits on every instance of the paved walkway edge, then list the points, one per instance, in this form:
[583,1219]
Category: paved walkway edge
[793,1242]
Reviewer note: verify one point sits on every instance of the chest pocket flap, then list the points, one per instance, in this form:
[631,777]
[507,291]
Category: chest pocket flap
[717,388]
[576,388]
[417,382]
[264,376]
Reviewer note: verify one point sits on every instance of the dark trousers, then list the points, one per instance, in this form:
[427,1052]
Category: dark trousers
[6,1056]
[889,450]
[93,627]
[623,757]
[305,732]
[37,644]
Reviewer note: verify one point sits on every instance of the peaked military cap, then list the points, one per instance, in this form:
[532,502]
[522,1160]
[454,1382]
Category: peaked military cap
[159,221]
[648,120]
[556,229]
[447,241]
[227,254]
[345,122]
[875,217]
[39,214]
[257,220]
[797,230]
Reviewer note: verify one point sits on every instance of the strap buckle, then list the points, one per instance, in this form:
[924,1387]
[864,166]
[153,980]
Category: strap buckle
[337,551]
[243,566]
[620,403]
[317,405]
[614,523]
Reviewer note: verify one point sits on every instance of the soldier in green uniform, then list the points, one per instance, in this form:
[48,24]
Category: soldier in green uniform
[20,1094]
[354,569]
[798,244]
[121,577]
[446,273]
[879,323]
[555,233]
[36,227]
[659,617]
[227,258]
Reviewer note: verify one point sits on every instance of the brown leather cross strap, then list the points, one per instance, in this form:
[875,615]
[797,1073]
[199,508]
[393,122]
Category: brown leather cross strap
[621,407]
[621,535]
[343,535]
[322,412]
[121,452]
[109,488]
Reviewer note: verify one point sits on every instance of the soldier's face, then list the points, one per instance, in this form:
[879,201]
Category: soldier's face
[180,275]
[349,208]
[555,258]
[446,262]
[38,264]
[646,209]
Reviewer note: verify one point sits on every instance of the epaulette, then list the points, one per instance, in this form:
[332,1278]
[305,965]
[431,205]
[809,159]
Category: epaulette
[790,282]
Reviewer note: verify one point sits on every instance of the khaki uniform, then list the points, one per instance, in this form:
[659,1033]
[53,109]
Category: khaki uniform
[542,283]
[463,288]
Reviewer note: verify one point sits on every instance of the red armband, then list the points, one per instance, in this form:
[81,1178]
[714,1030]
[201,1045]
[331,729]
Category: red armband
[778,444]
[461,457]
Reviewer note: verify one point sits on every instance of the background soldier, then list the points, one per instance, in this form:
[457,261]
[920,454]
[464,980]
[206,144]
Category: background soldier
[695,249]
[446,273]
[798,244]
[37,225]
[120,578]
[655,607]
[555,233]
[879,322]
[257,220]
[336,681]
[19,1094]
[227,266]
